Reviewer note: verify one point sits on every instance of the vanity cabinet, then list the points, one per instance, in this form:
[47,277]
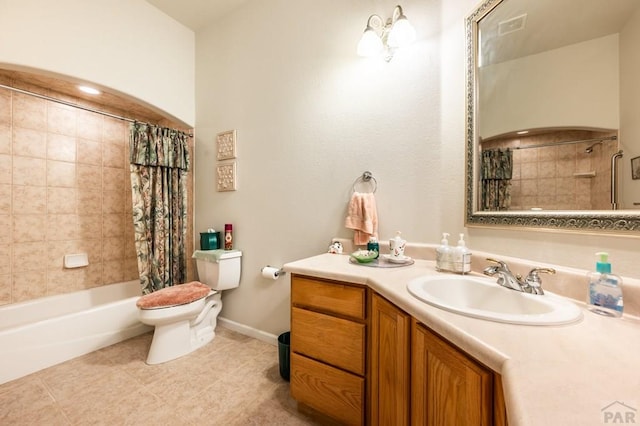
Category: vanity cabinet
[328,347]
[419,378]
[390,363]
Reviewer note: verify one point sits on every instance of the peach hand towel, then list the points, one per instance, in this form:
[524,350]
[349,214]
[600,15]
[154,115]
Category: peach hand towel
[362,217]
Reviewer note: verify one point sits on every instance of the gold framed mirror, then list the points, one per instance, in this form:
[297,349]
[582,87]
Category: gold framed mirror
[516,60]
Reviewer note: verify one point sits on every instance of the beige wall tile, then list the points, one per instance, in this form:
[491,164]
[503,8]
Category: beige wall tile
[60,173]
[112,271]
[89,201]
[29,142]
[89,126]
[113,179]
[5,259]
[114,131]
[6,168]
[61,200]
[6,223]
[5,290]
[61,120]
[63,281]
[62,227]
[113,202]
[546,169]
[61,147]
[29,112]
[56,250]
[90,227]
[5,106]
[89,152]
[29,171]
[29,257]
[29,285]
[5,198]
[113,155]
[91,276]
[5,138]
[29,228]
[112,225]
[131,269]
[89,176]
[29,199]
[112,249]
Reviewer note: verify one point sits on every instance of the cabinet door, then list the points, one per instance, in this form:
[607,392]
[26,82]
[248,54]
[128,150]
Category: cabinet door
[389,364]
[447,388]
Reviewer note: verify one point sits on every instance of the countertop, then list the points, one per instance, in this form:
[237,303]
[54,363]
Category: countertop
[572,374]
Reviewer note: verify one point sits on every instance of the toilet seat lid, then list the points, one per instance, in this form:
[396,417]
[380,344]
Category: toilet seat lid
[180,294]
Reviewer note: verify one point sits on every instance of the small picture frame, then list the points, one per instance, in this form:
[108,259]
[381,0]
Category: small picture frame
[635,168]
[226,145]
[226,176]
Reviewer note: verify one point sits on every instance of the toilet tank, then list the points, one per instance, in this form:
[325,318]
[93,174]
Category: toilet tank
[219,269]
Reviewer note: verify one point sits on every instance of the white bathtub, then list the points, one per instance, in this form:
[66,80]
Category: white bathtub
[47,331]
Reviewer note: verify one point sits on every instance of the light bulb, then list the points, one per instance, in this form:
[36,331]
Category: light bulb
[370,44]
[402,33]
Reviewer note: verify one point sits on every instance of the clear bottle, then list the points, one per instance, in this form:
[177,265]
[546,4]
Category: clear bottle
[444,255]
[462,257]
[605,289]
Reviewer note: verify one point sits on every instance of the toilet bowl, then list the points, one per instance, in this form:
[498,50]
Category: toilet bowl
[185,315]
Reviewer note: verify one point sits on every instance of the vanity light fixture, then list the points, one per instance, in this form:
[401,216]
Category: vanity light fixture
[522,132]
[89,90]
[380,37]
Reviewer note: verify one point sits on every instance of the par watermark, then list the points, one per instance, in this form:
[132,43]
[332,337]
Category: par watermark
[619,413]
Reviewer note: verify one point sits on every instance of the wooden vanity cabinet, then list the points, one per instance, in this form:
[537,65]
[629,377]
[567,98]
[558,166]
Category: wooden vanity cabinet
[328,347]
[390,363]
[419,378]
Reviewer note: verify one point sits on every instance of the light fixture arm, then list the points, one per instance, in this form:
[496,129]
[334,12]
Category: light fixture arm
[375,24]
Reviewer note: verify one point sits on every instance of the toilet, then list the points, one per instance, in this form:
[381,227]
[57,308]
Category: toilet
[185,315]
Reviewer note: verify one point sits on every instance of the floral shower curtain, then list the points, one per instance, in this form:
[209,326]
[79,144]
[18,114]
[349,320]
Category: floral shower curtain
[497,168]
[159,162]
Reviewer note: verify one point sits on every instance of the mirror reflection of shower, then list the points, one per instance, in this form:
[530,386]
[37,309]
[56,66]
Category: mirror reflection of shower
[614,179]
[589,149]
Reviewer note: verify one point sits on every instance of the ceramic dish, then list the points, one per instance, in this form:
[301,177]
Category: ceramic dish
[403,259]
[364,256]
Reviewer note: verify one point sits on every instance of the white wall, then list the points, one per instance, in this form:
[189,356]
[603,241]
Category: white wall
[124,45]
[524,93]
[311,116]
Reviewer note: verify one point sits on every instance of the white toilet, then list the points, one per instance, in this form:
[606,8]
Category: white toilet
[185,315]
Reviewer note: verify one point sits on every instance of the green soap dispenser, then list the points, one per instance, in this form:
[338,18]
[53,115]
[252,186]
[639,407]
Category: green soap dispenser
[605,289]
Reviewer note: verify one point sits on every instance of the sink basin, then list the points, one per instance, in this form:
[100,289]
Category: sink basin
[483,298]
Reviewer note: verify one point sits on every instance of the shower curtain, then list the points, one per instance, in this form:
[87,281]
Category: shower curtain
[497,168]
[159,162]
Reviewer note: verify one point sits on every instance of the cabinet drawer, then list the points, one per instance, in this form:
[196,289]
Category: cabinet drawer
[333,392]
[336,341]
[328,296]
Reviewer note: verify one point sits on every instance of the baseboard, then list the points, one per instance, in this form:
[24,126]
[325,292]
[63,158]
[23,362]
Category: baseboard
[249,331]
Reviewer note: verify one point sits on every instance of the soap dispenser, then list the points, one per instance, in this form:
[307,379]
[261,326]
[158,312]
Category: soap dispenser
[444,254]
[462,257]
[605,289]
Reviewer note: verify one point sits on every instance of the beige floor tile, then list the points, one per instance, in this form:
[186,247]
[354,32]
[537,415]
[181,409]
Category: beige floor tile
[233,380]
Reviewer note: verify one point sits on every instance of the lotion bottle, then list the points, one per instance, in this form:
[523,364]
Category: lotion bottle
[605,289]
[444,254]
[462,257]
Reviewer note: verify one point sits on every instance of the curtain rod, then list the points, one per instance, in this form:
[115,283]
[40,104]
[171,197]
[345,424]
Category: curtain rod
[60,101]
[542,145]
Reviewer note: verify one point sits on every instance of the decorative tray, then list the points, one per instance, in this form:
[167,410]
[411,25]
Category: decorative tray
[382,262]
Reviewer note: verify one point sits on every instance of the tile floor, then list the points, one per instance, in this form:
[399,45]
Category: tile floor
[234,380]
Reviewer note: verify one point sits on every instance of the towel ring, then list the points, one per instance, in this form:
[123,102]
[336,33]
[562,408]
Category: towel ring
[367,177]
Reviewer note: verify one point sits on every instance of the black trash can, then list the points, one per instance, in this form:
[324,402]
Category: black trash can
[284,342]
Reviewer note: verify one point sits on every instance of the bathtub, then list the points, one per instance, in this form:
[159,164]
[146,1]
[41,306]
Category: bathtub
[43,332]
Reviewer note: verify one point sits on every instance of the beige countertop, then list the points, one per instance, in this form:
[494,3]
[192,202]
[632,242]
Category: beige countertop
[552,375]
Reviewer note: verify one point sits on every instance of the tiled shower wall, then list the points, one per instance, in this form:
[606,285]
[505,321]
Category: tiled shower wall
[555,177]
[64,189]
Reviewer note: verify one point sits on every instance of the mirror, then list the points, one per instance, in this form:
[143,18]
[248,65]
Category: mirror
[566,72]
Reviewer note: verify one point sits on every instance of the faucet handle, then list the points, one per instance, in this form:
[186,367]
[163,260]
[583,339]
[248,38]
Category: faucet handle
[533,279]
[498,262]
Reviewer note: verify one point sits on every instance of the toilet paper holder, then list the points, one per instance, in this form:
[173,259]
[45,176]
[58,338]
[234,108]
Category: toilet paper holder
[280,272]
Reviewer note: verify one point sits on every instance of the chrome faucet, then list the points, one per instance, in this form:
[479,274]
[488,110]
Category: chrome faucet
[531,284]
